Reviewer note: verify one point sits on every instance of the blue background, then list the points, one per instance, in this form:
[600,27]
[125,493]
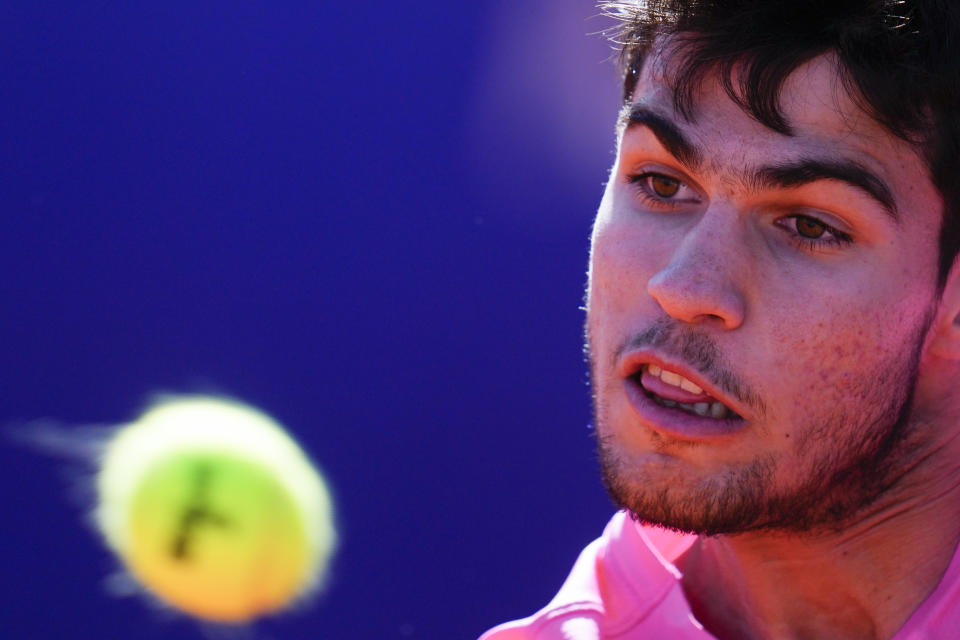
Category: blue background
[369,219]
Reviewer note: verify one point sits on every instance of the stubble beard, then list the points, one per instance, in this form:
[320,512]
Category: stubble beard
[839,480]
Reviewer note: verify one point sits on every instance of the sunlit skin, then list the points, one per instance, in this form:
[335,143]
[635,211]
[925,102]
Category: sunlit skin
[825,308]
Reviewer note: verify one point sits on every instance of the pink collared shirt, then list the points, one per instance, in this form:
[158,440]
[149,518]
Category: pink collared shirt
[624,586]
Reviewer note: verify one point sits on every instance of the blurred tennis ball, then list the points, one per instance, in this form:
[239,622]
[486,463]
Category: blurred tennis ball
[215,509]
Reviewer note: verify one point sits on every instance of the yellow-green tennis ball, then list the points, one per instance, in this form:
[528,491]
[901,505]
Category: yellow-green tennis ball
[215,509]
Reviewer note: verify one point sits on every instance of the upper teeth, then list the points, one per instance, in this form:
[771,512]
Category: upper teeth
[674,379]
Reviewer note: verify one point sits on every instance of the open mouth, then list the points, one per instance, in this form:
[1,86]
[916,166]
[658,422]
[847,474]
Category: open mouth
[673,391]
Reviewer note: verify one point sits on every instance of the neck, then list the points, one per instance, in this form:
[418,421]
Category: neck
[863,581]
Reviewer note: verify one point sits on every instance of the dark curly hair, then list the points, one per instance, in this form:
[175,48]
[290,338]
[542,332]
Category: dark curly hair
[898,59]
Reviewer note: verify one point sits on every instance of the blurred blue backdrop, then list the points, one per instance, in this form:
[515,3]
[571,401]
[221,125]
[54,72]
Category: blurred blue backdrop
[369,219]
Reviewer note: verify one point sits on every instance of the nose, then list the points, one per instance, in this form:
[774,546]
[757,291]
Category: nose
[699,285]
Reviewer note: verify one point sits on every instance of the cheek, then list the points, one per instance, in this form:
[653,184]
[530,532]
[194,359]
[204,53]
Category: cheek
[835,358]
[616,285]
[623,258]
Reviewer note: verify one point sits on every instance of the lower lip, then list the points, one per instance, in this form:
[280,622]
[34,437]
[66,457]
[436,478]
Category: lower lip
[678,423]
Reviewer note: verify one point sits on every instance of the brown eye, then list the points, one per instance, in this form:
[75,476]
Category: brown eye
[664,187]
[810,228]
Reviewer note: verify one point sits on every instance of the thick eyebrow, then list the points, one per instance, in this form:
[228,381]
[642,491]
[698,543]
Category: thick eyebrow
[795,174]
[784,176]
[666,132]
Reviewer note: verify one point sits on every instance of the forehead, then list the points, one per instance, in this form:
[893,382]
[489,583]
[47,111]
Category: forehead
[825,121]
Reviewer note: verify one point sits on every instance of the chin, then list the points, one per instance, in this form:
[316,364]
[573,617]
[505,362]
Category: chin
[663,491]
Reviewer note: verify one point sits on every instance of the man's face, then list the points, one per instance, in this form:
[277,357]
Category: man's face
[790,278]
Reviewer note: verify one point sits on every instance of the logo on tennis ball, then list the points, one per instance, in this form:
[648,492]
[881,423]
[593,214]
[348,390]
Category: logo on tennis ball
[196,513]
[215,509]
